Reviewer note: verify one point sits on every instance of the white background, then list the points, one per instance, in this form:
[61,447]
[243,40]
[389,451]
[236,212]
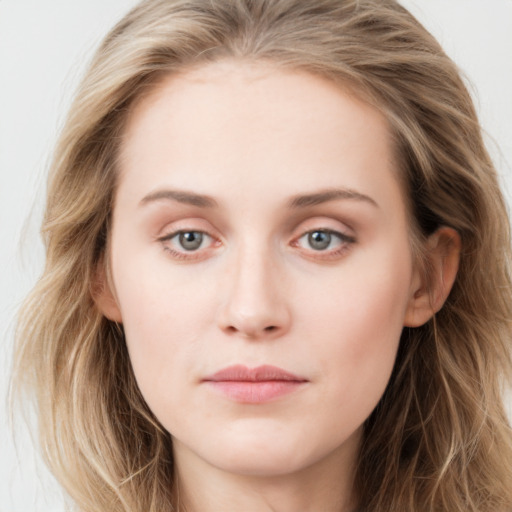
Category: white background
[44,46]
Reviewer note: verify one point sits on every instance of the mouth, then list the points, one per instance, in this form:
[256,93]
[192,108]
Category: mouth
[254,385]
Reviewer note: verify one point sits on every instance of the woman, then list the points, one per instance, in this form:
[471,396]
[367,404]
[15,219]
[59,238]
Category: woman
[277,270]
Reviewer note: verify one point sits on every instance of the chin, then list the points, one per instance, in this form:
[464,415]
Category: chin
[270,452]
[268,463]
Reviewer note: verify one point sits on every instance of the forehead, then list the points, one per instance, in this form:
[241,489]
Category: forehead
[251,123]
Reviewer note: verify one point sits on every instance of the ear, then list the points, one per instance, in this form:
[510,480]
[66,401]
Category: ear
[429,292]
[103,295]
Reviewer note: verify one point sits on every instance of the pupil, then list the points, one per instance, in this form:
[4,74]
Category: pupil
[191,240]
[319,240]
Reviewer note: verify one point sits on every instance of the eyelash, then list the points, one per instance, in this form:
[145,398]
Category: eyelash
[185,255]
[345,241]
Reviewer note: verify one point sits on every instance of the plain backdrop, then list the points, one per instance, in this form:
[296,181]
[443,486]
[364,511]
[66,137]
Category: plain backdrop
[44,47]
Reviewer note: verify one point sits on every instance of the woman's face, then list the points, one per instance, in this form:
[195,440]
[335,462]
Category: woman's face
[261,265]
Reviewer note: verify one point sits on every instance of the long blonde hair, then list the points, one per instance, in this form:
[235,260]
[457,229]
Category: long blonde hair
[439,440]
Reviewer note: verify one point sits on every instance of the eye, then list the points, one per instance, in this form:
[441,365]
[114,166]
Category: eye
[319,240]
[324,240]
[187,243]
[189,240]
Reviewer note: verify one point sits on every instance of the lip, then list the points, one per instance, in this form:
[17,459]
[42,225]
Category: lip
[254,385]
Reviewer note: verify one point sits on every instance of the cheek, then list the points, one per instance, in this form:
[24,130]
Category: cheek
[164,326]
[346,326]
[357,323]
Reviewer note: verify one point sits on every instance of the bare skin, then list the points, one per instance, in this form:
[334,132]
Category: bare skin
[259,223]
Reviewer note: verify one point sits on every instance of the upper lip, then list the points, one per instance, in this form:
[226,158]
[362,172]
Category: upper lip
[241,373]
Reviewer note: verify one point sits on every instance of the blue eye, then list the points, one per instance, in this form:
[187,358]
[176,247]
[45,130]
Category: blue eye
[188,241]
[323,240]
[319,240]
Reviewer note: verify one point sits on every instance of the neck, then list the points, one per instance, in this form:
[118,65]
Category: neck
[325,485]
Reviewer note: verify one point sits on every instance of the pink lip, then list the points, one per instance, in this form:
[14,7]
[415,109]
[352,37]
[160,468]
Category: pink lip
[256,385]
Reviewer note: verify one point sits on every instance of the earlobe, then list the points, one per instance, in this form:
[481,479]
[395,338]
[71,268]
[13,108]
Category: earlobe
[430,292]
[103,296]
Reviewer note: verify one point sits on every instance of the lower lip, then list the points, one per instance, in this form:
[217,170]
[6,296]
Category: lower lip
[250,392]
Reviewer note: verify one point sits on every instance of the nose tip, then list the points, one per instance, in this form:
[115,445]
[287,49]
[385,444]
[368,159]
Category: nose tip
[251,325]
[255,306]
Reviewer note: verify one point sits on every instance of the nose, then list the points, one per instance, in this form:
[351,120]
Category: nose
[255,305]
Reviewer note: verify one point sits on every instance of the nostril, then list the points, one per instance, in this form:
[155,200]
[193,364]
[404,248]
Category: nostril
[270,328]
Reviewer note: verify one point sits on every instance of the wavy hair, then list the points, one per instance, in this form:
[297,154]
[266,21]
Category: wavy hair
[439,439]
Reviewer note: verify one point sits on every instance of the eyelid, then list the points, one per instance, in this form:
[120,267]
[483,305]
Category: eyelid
[332,255]
[324,223]
[196,225]
[174,234]
[345,234]
[185,224]
[329,225]
[338,234]
[184,255]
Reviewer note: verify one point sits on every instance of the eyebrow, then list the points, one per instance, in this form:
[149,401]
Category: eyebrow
[180,196]
[296,202]
[324,196]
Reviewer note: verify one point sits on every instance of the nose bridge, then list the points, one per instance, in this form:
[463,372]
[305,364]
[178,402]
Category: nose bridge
[253,279]
[256,302]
